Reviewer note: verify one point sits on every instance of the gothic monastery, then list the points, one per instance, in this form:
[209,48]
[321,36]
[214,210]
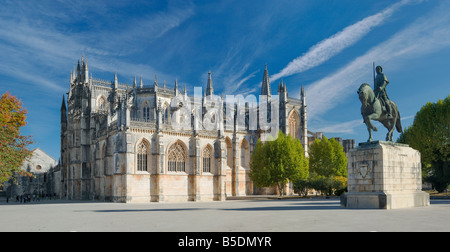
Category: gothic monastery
[152,143]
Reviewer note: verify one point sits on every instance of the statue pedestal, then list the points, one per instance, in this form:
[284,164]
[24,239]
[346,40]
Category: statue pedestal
[384,175]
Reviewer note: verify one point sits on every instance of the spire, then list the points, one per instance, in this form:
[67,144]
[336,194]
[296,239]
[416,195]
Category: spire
[63,115]
[63,105]
[78,68]
[116,82]
[141,84]
[156,82]
[209,85]
[281,86]
[86,72]
[134,82]
[176,87]
[265,88]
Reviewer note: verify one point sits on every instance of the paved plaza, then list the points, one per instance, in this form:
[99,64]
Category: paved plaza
[292,215]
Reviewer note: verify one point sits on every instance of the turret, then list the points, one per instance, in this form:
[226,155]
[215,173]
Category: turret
[282,91]
[209,86]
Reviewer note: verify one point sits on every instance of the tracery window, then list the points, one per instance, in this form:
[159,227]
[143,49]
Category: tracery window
[294,120]
[142,155]
[101,105]
[207,158]
[177,158]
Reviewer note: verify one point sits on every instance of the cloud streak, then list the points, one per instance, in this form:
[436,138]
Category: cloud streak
[46,49]
[345,127]
[333,45]
[427,34]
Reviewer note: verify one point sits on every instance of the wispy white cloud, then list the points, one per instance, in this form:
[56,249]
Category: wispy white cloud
[344,127]
[404,118]
[428,34]
[333,45]
[230,75]
[347,127]
[47,49]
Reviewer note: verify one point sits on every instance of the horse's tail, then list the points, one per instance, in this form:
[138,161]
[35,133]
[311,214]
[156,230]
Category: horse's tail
[398,123]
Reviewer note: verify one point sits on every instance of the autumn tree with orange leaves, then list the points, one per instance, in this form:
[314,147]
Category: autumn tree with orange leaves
[13,146]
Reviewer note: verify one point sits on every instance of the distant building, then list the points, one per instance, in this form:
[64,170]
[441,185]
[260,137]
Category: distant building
[347,144]
[39,165]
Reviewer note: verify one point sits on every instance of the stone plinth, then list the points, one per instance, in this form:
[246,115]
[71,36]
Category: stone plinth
[384,175]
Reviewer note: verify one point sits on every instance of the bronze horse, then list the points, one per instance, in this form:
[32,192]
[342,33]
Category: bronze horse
[372,109]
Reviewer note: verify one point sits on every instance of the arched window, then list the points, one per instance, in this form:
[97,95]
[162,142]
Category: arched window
[294,120]
[142,156]
[177,158]
[146,111]
[207,158]
[165,114]
[245,154]
[101,104]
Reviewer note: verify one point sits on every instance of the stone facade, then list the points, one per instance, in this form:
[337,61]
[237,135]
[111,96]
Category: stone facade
[134,143]
[40,165]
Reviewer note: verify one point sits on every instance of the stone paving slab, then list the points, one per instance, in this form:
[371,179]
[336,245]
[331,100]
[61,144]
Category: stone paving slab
[288,215]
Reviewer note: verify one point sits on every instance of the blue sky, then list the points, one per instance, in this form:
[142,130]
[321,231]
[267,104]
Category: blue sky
[328,46]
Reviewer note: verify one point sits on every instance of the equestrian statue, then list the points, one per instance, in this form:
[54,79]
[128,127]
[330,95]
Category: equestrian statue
[376,105]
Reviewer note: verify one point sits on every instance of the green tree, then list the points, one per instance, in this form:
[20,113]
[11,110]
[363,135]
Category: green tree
[13,145]
[277,162]
[327,158]
[430,135]
[327,166]
[302,186]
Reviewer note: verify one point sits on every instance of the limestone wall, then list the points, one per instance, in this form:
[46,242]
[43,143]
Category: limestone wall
[384,175]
